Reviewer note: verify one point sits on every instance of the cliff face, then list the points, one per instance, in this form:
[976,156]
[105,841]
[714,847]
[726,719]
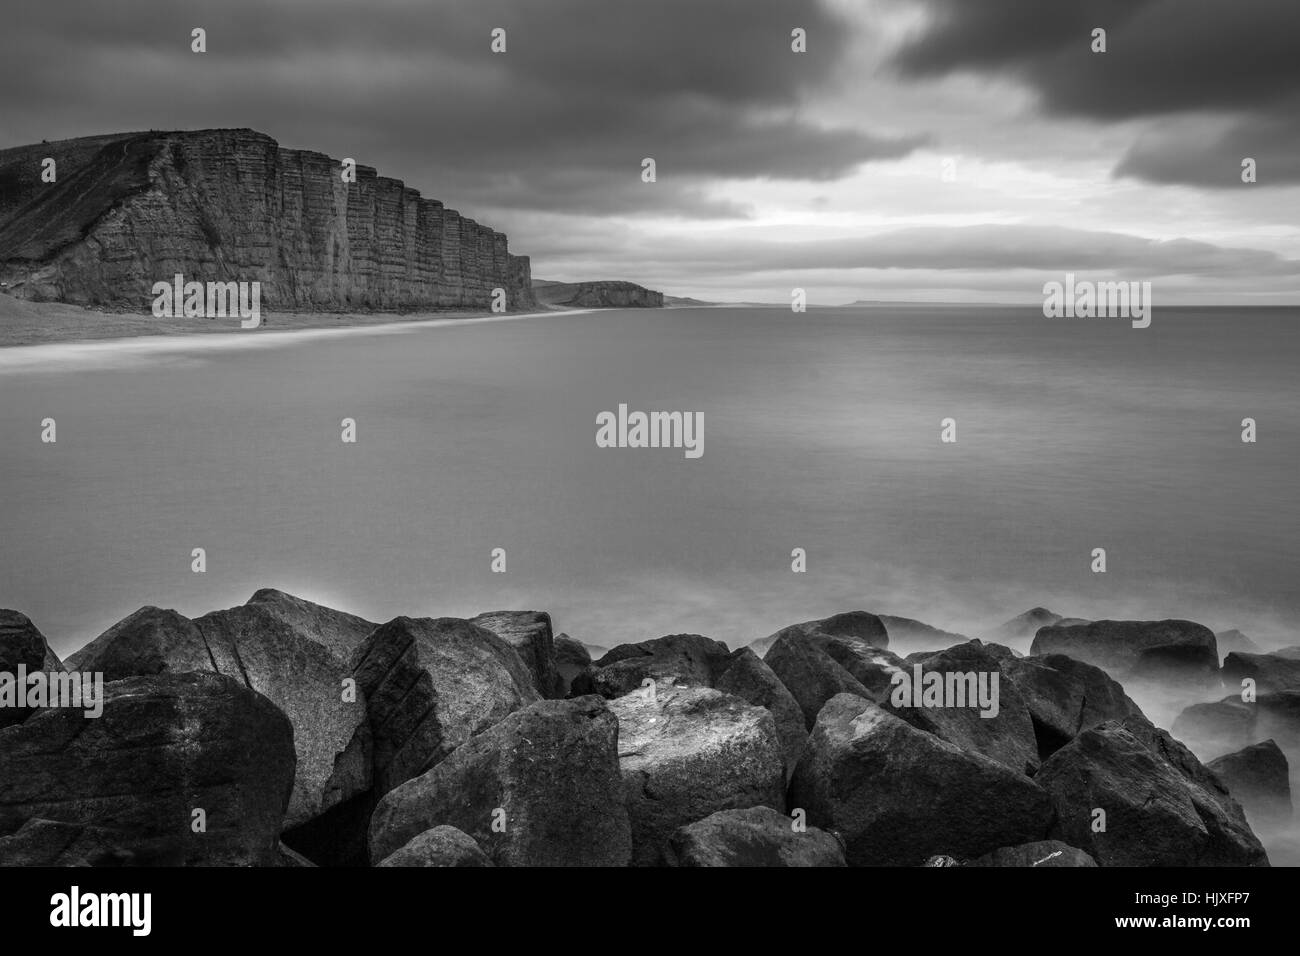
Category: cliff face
[219,205]
[597,295]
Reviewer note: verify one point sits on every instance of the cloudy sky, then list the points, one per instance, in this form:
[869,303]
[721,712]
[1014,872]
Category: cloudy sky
[822,170]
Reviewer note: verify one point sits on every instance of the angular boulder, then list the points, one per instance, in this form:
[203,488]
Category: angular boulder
[999,727]
[898,795]
[1259,778]
[338,632]
[1066,696]
[757,836]
[540,788]
[811,675]
[1270,672]
[685,753]
[529,633]
[1234,640]
[256,647]
[860,626]
[440,846]
[1117,646]
[21,644]
[743,675]
[1156,814]
[430,685]
[687,660]
[122,789]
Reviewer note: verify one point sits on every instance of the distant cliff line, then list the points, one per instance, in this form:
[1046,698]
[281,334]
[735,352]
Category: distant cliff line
[127,210]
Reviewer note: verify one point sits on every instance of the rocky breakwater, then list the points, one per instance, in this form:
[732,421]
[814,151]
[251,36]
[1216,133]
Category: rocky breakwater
[128,210]
[308,736]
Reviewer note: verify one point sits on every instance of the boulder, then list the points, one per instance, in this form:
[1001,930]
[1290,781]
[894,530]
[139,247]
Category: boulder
[743,675]
[872,667]
[858,626]
[1154,814]
[1041,853]
[757,836]
[1270,672]
[1234,640]
[439,846]
[685,753]
[1065,696]
[687,660]
[904,630]
[254,645]
[571,661]
[1290,653]
[998,726]
[151,640]
[1222,727]
[22,644]
[1023,627]
[938,797]
[338,632]
[122,789]
[1186,664]
[1117,646]
[811,675]
[540,788]
[1258,777]
[430,685]
[529,633]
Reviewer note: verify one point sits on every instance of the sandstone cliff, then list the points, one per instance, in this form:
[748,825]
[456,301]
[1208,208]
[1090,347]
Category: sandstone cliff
[598,295]
[132,209]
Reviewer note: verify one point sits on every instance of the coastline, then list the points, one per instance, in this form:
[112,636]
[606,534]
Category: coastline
[34,324]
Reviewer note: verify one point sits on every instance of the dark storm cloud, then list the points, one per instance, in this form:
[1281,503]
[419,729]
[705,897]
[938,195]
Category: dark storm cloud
[1164,57]
[561,121]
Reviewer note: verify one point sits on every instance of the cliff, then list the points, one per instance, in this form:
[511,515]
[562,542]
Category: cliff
[131,209]
[597,295]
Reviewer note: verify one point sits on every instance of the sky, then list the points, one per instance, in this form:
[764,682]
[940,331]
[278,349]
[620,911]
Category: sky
[921,150]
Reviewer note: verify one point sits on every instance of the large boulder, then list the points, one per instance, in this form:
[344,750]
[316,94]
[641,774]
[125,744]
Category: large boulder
[338,632]
[899,795]
[687,660]
[1023,627]
[904,630]
[1221,727]
[255,646]
[872,667]
[811,675]
[430,685]
[1041,853]
[1234,640]
[757,836]
[1270,672]
[685,753]
[124,788]
[1065,696]
[985,714]
[21,644]
[1258,777]
[859,626]
[1156,813]
[439,846]
[540,788]
[529,633]
[743,675]
[1118,646]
